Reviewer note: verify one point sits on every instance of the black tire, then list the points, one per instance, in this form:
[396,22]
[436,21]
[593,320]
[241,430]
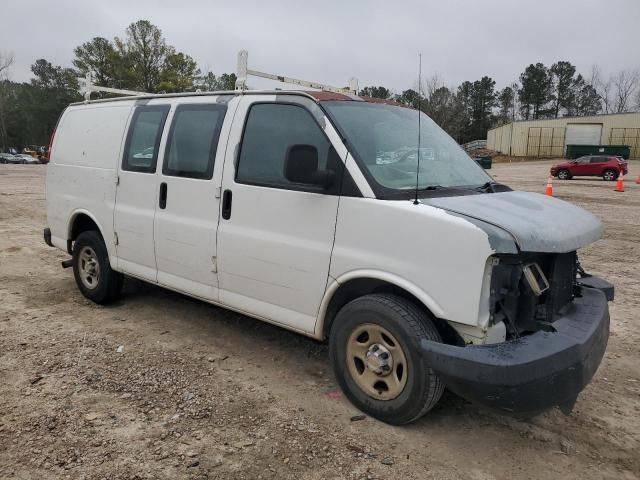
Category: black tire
[108,284]
[564,174]
[409,325]
[610,175]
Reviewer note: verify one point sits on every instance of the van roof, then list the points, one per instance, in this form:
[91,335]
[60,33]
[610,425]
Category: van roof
[318,96]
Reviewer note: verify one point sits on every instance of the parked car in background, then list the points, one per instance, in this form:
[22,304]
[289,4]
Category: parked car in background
[605,166]
[25,158]
[9,158]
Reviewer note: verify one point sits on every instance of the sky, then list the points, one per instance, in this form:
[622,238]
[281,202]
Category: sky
[331,41]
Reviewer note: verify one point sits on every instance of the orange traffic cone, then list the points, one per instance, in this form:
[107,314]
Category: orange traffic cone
[638,180]
[549,190]
[620,184]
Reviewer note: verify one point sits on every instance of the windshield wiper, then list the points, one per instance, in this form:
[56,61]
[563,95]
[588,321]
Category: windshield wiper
[486,187]
[432,187]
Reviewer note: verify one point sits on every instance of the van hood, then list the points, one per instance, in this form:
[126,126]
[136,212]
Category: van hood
[537,223]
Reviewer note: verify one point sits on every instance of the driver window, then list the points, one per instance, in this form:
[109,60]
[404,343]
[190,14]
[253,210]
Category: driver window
[270,130]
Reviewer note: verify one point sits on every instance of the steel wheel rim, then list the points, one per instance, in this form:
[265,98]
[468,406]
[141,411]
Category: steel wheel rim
[376,362]
[89,268]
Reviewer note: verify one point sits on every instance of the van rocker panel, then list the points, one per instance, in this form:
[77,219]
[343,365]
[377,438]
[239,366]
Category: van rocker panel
[528,375]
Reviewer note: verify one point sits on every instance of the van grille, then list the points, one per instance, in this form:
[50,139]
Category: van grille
[514,301]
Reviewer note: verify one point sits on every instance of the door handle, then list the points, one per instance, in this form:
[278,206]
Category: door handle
[163,195]
[226,204]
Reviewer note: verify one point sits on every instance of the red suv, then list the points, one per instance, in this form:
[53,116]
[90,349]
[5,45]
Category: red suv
[604,166]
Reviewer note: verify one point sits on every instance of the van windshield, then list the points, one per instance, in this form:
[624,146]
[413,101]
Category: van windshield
[384,140]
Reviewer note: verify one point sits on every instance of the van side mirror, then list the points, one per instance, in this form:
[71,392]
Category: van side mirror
[301,166]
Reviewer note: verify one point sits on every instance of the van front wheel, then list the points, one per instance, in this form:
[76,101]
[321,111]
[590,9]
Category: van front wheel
[374,350]
[92,271]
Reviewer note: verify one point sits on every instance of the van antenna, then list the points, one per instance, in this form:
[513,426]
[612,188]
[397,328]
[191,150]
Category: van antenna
[415,200]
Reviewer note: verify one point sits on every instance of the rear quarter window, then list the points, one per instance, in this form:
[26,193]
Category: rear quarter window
[91,136]
[143,138]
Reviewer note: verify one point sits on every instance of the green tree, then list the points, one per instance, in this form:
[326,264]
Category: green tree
[63,81]
[586,99]
[563,96]
[409,97]
[141,61]
[474,106]
[6,61]
[178,73]
[439,106]
[506,99]
[483,98]
[375,92]
[99,58]
[143,53]
[15,126]
[34,108]
[464,113]
[535,91]
[211,83]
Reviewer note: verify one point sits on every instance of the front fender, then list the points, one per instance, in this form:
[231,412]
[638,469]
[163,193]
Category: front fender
[370,274]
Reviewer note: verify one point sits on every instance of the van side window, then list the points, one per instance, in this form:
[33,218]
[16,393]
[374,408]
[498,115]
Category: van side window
[143,138]
[272,128]
[193,140]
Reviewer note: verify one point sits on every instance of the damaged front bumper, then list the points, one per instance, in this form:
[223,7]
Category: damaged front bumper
[533,373]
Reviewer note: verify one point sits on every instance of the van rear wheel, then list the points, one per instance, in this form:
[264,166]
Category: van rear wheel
[92,270]
[374,349]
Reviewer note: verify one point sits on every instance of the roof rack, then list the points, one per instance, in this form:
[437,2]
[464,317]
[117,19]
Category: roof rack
[244,72]
[86,86]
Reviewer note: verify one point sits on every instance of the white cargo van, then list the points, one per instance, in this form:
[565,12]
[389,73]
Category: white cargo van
[319,212]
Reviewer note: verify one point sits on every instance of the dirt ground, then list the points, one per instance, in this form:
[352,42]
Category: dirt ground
[200,392]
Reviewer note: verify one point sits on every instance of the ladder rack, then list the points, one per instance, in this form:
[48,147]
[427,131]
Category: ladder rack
[244,72]
[87,87]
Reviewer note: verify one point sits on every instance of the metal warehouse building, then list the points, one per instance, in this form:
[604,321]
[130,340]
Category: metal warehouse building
[548,138]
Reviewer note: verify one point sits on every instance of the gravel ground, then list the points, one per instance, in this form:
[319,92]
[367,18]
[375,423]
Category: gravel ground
[200,392]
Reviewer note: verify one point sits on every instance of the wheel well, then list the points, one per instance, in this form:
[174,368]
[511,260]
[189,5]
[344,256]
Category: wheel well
[81,223]
[364,286]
